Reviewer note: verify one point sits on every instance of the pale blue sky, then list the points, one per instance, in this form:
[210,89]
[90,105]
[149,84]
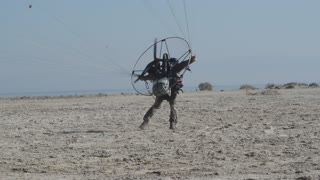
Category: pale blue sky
[60,45]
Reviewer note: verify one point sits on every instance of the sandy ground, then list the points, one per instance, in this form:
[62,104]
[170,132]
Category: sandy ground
[221,135]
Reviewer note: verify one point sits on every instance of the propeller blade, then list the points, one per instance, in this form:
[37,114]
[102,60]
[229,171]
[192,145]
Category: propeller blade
[155,49]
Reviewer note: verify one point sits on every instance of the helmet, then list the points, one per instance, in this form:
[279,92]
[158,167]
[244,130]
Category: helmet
[173,61]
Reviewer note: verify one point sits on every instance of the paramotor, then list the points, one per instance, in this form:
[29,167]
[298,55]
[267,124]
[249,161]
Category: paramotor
[171,47]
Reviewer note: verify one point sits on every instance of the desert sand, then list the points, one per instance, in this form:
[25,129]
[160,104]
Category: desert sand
[220,135]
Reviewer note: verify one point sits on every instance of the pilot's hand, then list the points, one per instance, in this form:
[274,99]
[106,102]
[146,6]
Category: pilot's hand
[193,58]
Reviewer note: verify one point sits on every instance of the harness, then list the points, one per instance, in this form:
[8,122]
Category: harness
[166,80]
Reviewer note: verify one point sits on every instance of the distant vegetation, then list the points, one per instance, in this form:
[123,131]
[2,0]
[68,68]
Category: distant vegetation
[291,85]
[271,89]
[313,85]
[247,87]
[206,86]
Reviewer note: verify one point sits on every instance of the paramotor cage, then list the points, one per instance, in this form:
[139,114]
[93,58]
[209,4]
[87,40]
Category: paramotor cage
[172,47]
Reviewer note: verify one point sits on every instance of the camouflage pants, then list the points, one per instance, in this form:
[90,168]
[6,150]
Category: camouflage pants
[173,113]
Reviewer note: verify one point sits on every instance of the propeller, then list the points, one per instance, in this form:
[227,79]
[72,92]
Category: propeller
[150,64]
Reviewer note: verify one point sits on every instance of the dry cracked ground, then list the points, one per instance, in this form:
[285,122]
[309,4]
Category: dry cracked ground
[220,135]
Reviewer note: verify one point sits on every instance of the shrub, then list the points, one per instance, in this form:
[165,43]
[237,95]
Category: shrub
[205,86]
[292,85]
[273,86]
[270,86]
[313,85]
[247,87]
[289,86]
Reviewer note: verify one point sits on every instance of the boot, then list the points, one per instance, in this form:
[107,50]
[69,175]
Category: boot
[144,125]
[173,125]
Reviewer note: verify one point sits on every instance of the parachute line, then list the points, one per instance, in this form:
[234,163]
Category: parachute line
[187,22]
[152,10]
[83,57]
[175,18]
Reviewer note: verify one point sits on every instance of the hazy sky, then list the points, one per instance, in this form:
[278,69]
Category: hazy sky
[61,45]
